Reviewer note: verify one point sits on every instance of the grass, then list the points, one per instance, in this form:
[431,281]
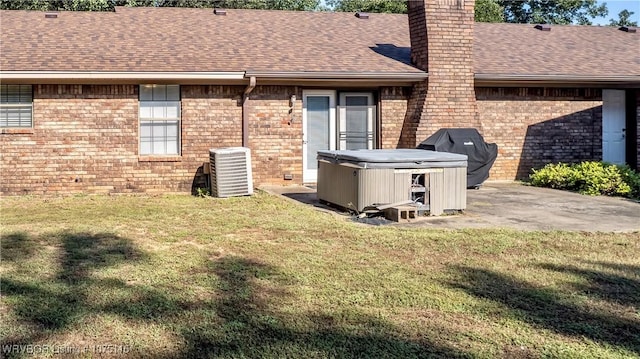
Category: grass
[180,276]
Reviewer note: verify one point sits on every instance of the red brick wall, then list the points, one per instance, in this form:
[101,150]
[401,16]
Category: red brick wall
[82,136]
[275,135]
[445,50]
[85,139]
[393,108]
[535,126]
[211,118]
[413,116]
[418,33]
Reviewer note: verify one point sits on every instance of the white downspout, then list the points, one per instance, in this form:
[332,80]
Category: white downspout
[245,114]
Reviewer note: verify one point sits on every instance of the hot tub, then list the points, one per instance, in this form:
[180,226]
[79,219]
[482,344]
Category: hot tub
[359,179]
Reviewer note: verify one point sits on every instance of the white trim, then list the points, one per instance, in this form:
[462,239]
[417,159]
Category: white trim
[100,75]
[559,78]
[332,75]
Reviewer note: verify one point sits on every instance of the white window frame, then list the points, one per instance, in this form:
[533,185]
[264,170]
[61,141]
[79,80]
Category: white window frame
[7,106]
[151,105]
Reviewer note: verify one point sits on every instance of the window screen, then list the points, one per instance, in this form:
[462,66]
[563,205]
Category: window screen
[159,119]
[16,106]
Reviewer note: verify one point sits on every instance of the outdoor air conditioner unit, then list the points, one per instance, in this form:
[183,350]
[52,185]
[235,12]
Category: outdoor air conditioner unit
[231,172]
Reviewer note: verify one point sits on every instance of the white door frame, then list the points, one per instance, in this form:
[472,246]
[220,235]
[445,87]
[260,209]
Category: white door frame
[343,117]
[311,175]
[613,126]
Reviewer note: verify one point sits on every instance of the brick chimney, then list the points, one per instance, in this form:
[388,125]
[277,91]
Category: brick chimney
[442,44]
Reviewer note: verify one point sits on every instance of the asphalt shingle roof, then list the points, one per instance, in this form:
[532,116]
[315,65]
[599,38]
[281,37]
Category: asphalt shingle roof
[565,50]
[195,40]
[180,39]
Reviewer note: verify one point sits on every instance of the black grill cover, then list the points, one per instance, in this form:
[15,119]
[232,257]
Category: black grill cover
[465,141]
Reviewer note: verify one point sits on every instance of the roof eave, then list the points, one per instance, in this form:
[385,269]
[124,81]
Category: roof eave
[337,77]
[123,77]
[513,80]
[238,77]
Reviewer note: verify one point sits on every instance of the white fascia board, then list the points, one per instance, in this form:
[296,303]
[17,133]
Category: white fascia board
[559,78]
[98,75]
[331,76]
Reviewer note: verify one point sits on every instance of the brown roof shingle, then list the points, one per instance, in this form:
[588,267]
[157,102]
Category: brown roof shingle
[195,40]
[181,39]
[565,50]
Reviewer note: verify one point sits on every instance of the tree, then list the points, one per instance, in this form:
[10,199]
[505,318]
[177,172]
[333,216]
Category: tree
[69,5]
[489,11]
[515,11]
[299,5]
[623,19]
[108,5]
[553,11]
[388,6]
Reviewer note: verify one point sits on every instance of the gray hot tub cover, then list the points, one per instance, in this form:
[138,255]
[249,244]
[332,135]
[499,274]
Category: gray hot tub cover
[397,158]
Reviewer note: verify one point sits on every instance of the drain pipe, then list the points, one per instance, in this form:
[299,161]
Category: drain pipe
[245,112]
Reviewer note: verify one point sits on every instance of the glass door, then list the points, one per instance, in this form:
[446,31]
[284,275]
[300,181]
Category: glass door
[319,126]
[357,121]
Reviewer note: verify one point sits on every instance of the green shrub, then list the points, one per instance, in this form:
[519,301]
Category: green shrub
[597,178]
[632,178]
[558,176]
[591,178]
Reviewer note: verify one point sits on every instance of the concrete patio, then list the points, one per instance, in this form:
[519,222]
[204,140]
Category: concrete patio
[513,205]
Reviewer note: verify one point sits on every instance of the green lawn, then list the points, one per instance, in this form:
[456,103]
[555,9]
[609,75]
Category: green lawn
[179,276]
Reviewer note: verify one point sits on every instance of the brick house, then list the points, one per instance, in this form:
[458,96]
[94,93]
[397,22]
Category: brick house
[132,100]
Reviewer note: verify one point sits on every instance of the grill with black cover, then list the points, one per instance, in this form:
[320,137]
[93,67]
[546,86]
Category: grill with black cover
[466,141]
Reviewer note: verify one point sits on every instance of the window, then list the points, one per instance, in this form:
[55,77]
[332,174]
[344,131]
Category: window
[356,121]
[16,106]
[159,119]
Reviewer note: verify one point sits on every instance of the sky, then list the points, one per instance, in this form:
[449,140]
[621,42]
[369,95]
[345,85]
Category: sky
[615,6]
